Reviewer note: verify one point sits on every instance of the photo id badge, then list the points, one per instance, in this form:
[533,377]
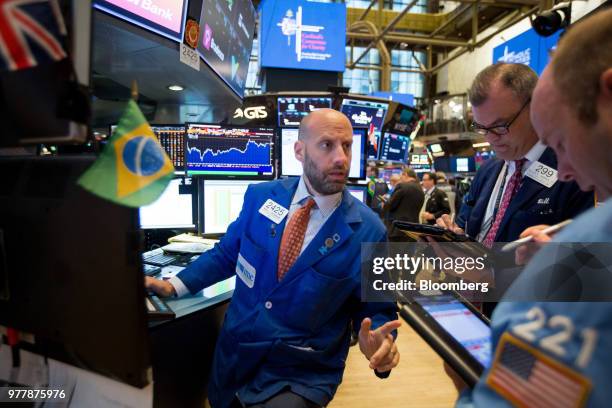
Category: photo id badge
[543,174]
[273,211]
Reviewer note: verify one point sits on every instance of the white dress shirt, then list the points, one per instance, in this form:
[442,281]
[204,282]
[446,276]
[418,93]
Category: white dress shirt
[532,156]
[319,214]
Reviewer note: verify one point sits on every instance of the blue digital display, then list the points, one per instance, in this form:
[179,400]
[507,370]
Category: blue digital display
[215,151]
[394,148]
[300,34]
[527,48]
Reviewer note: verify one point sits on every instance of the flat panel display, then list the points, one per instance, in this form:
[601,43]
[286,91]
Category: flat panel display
[223,201]
[165,17]
[394,148]
[227,28]
[290,166]
[291,110]
[368,114]
[358,191]
[303,34]
[214,151]
[170,210]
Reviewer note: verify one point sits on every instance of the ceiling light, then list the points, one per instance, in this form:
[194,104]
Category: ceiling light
[483,144]
[175,88]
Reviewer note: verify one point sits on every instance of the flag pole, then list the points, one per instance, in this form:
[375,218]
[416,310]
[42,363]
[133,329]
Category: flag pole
[135,90]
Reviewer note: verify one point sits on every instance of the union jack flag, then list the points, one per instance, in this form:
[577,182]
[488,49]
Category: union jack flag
[29,33]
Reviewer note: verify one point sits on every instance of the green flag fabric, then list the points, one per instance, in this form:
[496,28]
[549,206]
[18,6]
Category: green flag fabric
[133,169]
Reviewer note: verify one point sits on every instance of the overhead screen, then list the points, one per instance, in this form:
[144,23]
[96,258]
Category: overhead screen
[358,191]
[165,17]
[302,34]
[368,114]
[394,148]
[290,166]
[170,210]
[214,151]
[291,110]
[223,201]
[227,29]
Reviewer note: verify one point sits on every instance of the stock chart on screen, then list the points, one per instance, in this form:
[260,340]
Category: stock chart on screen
[229,152]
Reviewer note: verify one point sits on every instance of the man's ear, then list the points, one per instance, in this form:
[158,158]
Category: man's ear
[605,83]
[298,149]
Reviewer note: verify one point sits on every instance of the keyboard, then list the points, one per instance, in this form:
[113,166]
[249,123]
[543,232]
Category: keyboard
[157,257]
[150,270]
[157,309]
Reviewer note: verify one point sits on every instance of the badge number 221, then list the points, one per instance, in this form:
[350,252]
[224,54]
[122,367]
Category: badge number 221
[554,343]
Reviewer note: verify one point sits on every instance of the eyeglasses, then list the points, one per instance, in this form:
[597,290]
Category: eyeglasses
[498,130]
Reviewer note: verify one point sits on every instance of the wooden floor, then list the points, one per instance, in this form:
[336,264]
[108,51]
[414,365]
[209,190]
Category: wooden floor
[419,380]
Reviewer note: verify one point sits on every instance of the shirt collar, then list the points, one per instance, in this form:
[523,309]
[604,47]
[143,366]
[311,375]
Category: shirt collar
[430,190]
[533,154]
[325,203]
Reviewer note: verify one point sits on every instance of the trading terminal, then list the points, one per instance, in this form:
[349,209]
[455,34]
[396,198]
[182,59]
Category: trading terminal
[224,87]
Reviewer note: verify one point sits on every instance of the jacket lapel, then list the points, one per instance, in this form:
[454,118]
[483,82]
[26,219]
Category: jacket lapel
[480,208]
[529,189]
[332,235]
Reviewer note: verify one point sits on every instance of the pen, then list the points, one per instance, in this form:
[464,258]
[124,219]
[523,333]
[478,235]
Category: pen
[515,244]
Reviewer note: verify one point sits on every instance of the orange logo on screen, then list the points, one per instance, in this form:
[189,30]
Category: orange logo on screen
[192,33]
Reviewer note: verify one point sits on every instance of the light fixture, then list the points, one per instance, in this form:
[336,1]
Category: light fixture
[482,144]
[550,21]
[175,88]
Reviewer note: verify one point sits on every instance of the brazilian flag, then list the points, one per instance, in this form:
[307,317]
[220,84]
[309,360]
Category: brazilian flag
[133,169]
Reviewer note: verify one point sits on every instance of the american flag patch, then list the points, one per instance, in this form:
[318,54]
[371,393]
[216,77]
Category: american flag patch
[529,378]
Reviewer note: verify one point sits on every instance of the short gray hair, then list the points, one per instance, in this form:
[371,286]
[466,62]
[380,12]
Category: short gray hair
[518,78]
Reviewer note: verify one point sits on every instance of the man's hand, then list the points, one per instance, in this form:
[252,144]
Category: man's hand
[460,385]
[160,287]
[428,216]
[525,252]
[378,345]
[445,222]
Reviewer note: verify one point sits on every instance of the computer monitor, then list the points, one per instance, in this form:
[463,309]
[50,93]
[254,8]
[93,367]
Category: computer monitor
[462,165]
[359,191]
[58,242]
[292,109]
[172,139]
[223,201]
[290,166]
[369,114]
[229,152]
[394,148]
[172,210]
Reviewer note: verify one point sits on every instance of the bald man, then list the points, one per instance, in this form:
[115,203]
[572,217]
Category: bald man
[295,249]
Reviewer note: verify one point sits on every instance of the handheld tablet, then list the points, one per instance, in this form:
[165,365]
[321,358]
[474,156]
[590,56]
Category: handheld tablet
[416,231]
[454,329]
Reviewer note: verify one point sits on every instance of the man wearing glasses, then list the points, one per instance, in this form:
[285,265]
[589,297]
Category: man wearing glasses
[520,187]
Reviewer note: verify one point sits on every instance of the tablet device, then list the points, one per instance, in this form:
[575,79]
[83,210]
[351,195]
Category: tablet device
[419,231]
[454,329]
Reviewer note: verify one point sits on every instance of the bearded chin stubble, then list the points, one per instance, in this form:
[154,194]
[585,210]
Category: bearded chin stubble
[318,179]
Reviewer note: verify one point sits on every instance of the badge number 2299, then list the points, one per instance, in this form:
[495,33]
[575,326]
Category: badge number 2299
[189,56]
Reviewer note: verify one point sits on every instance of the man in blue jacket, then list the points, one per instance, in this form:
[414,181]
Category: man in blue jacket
[295,249]
[547,353]
[491,211]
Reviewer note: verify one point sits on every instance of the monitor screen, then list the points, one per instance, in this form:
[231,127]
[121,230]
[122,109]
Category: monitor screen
[462,324]
[171,210]
[435,148]
[302,34]
[368,114]
[291,110]
[223,152]
[462,165]
[290,166]
[165,17]
[222,203]
[227,29]
[394,148]
[358,191]
[172,139]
